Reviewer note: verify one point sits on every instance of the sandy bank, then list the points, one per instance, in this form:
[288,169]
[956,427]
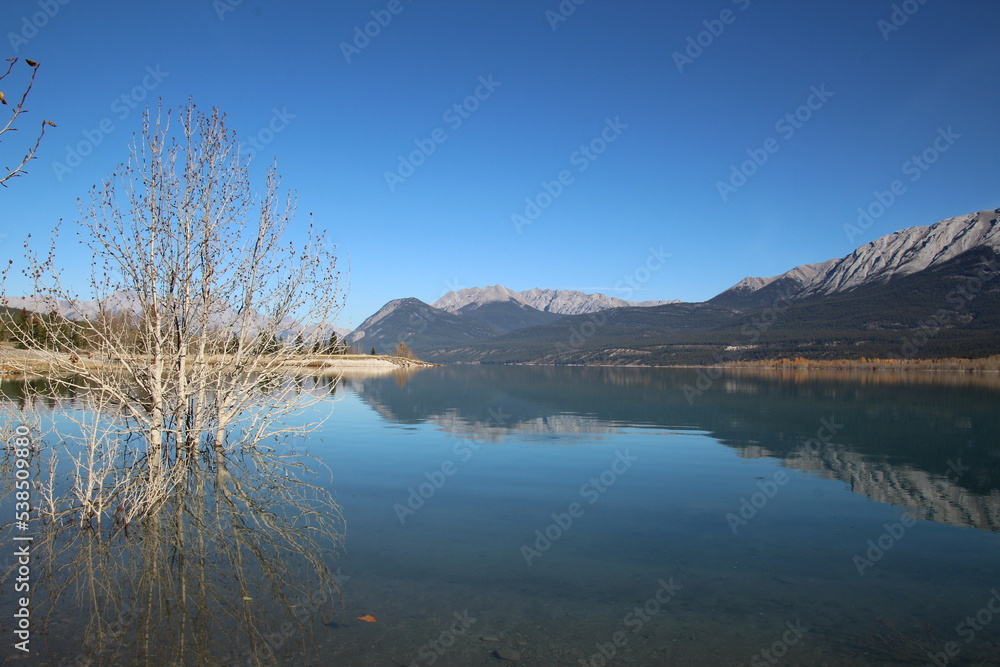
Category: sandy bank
[14,362]
[353,363]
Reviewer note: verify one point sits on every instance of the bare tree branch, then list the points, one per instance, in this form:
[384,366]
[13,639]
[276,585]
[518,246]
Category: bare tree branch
[183,410]
[194,284]
[15,112]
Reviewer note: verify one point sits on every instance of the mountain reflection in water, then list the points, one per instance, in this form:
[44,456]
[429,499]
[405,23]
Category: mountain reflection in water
[887,457]
[241,563]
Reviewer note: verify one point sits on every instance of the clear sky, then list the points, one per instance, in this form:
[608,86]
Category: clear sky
[632,113]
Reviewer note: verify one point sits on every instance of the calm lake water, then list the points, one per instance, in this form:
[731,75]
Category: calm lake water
[662,517]
[608,515]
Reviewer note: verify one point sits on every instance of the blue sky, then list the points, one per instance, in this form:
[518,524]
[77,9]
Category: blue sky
[591,115]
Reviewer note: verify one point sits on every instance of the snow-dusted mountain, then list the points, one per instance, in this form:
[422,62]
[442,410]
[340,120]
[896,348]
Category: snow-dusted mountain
[573,302]
[561,302]
[923,292]
[883,291]
[454,301]
[115,304]
[892,256]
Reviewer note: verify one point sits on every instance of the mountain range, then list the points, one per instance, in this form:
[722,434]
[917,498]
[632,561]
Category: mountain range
[590,403]
[893,256]
[925,291]
[477,313]
[561,302]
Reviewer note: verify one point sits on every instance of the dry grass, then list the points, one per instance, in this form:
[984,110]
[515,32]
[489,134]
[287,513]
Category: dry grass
[16,363]
[985,364]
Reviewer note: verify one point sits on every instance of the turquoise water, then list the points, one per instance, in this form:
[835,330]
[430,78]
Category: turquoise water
[568,516]
[605,516]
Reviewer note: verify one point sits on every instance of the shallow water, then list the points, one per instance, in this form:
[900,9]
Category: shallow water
[658,517]
[446,475]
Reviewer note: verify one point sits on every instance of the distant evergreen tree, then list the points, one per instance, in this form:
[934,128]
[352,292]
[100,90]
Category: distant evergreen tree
[64,335]
[373,351]
[331,347]
[22,326]
[39,335]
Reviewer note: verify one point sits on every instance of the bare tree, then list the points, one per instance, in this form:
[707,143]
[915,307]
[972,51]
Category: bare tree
[207,298]
[231,560]
[15,112]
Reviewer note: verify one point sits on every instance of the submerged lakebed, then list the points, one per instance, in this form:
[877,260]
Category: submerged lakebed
[567,516]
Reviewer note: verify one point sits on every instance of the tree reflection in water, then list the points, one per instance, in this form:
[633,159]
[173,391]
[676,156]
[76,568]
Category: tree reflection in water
[232,565]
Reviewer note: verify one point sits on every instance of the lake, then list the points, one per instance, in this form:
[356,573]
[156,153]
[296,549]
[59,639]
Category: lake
[568,516]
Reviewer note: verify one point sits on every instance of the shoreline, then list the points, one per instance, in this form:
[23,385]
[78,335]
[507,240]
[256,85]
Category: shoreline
[379,363]
[16,363]
[989,364]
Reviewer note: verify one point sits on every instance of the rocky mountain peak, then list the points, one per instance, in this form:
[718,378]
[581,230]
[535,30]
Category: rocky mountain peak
[454,301]
[561,302]
[894,255]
